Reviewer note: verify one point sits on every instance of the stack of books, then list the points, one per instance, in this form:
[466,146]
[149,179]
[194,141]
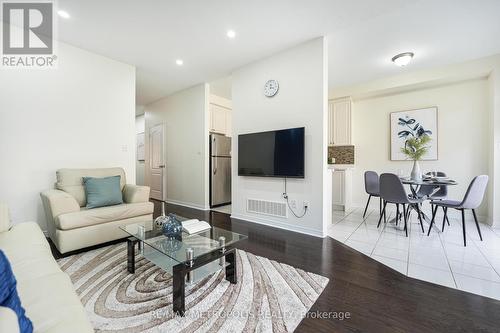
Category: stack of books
[194,226]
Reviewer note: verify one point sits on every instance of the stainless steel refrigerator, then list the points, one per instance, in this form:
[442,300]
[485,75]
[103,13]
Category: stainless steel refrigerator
[220,170]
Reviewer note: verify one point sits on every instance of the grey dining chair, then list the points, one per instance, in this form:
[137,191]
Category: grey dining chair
[472,199]
[440,194]
[393,191]
[372,188]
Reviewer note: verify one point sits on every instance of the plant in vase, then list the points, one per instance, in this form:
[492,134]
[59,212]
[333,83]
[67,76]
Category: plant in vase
[416,143]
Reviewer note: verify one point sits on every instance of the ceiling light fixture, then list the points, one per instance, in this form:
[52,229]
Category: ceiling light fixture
[63,14]
[402,59]
[179,62]
[231,34]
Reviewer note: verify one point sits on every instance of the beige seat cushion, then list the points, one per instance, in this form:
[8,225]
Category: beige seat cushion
[52,304]
[46,292]
[71,180]
[28,252]
[87,217]
[8,320]
[23,235]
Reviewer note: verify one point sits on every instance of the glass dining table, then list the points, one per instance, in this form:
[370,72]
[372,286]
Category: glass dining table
[416,185]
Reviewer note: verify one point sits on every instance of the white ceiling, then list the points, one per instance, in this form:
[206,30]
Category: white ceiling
[363,35]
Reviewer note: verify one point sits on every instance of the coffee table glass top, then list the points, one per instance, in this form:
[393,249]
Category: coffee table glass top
[201,243]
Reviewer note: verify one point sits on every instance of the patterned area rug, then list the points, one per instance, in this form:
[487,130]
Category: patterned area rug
[269,296]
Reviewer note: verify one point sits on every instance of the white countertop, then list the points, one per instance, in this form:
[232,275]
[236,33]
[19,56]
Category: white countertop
[340,166]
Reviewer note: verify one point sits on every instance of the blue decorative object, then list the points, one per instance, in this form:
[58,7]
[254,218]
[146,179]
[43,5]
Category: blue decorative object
[101,192]
[173,227]
[8,294]
[411,128]
[171,245]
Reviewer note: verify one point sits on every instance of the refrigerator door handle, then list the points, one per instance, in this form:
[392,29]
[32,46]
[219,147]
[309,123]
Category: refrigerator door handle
[215,147]
[215,165]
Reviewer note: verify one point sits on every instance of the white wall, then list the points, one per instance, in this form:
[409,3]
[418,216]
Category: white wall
[463,138]
[140,127]
[301,101]
[494,131]
[185,115]
[80,115]
[221,87]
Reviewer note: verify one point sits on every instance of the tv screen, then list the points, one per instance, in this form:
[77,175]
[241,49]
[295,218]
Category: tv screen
[272,154]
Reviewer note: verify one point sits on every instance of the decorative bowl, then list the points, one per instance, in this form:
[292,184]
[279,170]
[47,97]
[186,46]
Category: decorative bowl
[172,228]
[161,220]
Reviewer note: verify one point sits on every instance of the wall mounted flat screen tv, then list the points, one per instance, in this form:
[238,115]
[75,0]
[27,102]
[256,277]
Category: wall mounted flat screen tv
[272,154]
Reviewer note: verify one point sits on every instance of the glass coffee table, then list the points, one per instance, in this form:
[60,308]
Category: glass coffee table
[189,258]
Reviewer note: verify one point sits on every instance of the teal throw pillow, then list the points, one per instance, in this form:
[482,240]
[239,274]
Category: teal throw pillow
[102,192]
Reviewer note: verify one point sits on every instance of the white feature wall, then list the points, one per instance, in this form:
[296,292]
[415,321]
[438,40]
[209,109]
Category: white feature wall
[463,136]
[494,187]
[300,102]
[80,115]
[185,118]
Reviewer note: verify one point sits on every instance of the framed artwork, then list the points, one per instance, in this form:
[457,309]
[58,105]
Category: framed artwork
[141,156]
[406,124]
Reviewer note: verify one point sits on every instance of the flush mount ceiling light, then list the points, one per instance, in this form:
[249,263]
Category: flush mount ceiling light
[402,59]
[179,62]
[63,14]
[231,34]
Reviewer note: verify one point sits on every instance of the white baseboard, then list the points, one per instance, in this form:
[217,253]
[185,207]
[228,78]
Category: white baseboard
[187,204]
[279,225]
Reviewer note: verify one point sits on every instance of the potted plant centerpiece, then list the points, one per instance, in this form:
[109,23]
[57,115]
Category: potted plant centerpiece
[416,144]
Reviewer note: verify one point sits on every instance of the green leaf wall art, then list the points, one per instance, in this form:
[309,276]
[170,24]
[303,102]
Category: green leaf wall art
[414,135]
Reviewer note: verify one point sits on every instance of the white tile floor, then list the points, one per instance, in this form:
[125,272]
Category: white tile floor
[439,258]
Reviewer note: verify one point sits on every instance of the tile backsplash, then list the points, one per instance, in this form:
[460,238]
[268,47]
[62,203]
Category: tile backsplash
[342,154]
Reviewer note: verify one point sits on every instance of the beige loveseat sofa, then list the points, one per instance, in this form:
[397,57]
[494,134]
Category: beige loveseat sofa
[71,226]
[46,293]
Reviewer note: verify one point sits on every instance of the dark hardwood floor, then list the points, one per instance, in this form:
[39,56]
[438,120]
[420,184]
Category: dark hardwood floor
[378,298]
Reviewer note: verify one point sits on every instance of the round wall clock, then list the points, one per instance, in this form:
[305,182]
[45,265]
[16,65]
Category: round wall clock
[271,88]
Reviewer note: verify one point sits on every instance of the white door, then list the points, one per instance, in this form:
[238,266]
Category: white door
[157,162]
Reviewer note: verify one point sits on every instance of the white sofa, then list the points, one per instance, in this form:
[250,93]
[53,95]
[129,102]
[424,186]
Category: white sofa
[71,226]
[46,293]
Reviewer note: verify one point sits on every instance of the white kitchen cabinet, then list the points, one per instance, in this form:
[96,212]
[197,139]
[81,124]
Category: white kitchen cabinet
[229,123]
[218,119]
[341,187]
[339,122]
[338,184]
[220,115]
